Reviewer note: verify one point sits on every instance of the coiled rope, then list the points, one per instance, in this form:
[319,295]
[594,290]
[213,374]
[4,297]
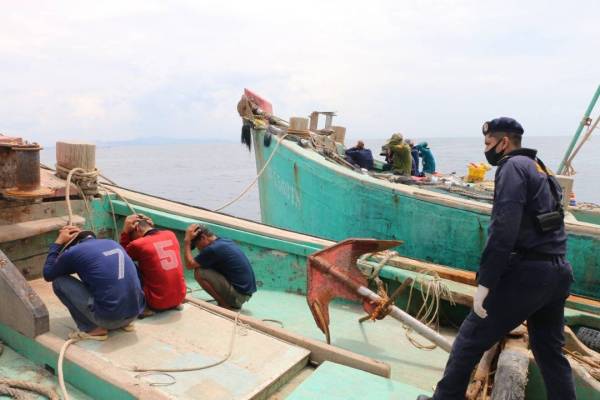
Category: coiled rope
[591,364]
[13,387]
[435,290]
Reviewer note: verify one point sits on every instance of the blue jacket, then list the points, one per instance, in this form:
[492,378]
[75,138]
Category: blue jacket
[521,193]
[361,157]
[106,270]
[414,152]
[427,156]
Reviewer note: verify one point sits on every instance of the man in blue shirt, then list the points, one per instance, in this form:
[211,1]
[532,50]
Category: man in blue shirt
[523,274]
[360,156]
[107,294]
[221,268]
[414,152]
[427,157]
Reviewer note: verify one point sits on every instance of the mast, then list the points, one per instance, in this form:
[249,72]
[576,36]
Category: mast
[582,124]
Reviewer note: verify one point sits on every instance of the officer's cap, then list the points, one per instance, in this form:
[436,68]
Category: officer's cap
[502,124]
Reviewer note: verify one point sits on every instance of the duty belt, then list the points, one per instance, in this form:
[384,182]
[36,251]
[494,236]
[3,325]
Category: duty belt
[532,255]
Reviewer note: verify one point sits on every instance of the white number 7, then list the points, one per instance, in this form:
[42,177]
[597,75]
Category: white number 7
[121,257]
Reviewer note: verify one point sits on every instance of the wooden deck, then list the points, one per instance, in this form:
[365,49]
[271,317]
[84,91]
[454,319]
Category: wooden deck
[258,365]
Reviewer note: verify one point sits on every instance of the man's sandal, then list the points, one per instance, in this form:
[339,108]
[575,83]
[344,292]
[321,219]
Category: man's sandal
[129,328]
[80,335]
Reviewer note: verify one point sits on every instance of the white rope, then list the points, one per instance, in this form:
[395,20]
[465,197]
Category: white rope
[236,323]
[61,377]
[243,193]
[435,290]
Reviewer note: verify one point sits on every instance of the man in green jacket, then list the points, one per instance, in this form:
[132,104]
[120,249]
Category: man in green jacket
[400,155]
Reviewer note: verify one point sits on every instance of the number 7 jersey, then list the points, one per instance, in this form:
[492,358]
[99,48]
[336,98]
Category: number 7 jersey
[158,256]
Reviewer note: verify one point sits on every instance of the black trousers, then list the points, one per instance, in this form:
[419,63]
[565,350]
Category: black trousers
[530,290]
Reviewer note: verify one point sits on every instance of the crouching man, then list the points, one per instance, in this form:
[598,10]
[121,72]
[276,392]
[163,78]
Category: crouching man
[107,294]
[156,252]
[221,268]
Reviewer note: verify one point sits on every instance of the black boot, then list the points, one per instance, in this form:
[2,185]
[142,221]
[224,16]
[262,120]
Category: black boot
[423,397]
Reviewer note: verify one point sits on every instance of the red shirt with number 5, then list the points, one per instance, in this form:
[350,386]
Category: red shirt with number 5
[159,263]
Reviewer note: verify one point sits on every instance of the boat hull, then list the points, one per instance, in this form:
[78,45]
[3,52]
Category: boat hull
[302,191]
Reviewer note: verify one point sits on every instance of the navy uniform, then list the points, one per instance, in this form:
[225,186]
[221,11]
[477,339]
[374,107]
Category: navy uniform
[524,267]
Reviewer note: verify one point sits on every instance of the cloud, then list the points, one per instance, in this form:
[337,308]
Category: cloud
[119,70]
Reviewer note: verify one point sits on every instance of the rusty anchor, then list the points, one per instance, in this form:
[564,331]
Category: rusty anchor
[332,273]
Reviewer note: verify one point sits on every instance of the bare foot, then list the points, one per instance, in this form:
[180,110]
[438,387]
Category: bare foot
[99,331]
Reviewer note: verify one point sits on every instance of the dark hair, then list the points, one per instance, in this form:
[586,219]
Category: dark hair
[80,237]
[143,224]
[515,138]
[201,231]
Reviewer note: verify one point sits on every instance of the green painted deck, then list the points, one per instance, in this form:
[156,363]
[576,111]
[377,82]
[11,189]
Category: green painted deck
[383,340]
[337,382]
[15,366]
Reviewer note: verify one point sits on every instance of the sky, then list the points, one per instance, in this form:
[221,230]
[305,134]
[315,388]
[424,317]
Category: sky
[120,70]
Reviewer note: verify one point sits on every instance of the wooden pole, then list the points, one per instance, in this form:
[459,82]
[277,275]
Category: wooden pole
[482,374]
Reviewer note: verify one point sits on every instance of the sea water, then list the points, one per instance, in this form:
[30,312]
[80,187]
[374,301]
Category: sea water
[211,174]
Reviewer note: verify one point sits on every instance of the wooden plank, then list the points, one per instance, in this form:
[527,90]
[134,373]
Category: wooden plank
[510,380]
[480,379]
[210,216]
[13,212]
[20,309]
[320,352]
[469,278]
[22,230]
[258,365]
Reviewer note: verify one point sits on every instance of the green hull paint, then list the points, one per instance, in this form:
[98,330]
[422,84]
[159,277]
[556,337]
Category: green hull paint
[79,377]
[280,266]
[302,191]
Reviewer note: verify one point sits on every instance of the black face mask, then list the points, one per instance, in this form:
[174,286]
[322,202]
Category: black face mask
[492,156]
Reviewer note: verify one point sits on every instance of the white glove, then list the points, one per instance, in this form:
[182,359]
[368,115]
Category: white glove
[480,295]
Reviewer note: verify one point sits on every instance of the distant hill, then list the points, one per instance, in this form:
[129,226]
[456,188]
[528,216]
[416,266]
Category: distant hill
[157,140]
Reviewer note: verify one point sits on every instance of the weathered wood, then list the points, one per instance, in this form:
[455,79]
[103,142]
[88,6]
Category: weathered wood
[510,380]
[573,344]
[36,227]
[20,308]
[12,212]
[482,373]
[469,278]
[319,351]
[76,155]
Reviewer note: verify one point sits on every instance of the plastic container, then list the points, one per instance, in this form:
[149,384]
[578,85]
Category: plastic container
[476,172]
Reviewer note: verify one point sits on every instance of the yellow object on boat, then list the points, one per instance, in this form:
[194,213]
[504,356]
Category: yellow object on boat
[477,172]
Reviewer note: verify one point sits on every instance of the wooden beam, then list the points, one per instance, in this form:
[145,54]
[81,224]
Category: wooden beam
[319,351]
[469,278]
[22,230]
[511,378]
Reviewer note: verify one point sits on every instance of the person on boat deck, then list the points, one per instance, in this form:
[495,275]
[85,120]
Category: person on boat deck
[427,156]
[159,263]
[523,274]
[399,152]
[414,152]
[360,156]
[107,294]
[220,267]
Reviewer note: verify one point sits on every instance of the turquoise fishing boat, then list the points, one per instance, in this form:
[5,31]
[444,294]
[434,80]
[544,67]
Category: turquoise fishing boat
[274,349]
[305,185]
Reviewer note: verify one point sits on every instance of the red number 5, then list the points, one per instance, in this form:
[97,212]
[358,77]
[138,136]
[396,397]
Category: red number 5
[168,257]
